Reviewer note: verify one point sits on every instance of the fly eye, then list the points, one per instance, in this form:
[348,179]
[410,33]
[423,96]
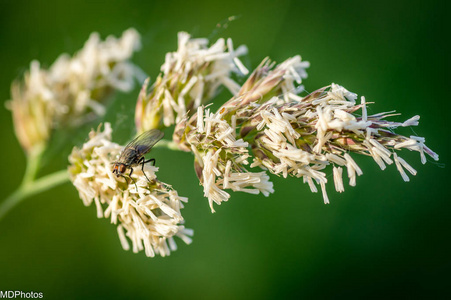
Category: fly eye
[121,169]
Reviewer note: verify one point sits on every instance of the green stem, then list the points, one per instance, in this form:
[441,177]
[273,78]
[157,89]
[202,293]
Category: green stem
[33,163]
[31,188]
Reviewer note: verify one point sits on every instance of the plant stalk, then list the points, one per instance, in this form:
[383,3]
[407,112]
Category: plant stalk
[27,189]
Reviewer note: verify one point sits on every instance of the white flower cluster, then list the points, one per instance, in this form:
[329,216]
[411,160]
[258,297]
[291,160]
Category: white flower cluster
[73,89]
[190,77]
[286,130]
[148,213]
[192,53]
[221,156]
[76,81]
[220,159]
[284,79]
[294,70]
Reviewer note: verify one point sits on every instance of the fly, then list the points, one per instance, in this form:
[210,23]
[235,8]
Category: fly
[133,153]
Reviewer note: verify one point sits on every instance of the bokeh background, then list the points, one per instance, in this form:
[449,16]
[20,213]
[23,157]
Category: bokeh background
[383,237]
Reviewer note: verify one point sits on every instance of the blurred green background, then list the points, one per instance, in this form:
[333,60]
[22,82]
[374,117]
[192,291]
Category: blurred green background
[383,237]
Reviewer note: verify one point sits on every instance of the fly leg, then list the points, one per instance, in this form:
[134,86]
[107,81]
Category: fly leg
[142,161]
[150,160]
[126,180]
[130,175]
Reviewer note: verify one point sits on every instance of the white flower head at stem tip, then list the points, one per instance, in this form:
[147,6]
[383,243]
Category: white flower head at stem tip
[148,213]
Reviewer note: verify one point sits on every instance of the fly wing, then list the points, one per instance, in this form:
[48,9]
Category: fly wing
[140,146]
[144,142]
